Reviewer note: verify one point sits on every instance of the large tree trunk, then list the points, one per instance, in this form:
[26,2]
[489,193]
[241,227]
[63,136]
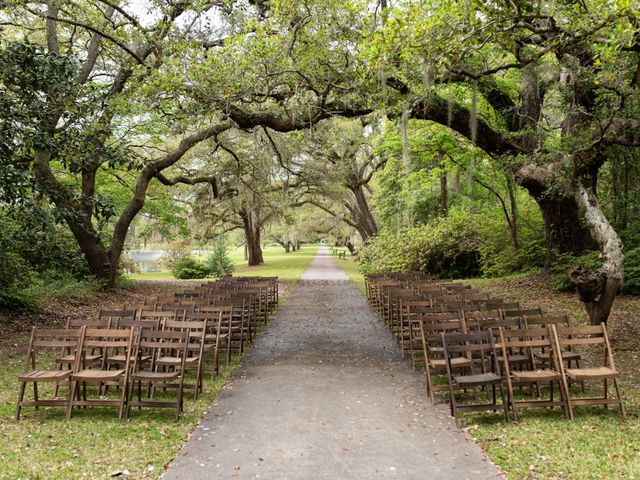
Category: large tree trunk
[564,227]
[251,224]
[362,218]
[564,224]
[598,288]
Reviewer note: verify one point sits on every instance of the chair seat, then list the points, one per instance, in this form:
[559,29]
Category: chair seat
[455,362]
[566,355]
[123,358]
[514,358]
[146,375]
[597,373]
[175,360]
[72,358]
[45,375]
[94,374]
[545,375]
[478,379]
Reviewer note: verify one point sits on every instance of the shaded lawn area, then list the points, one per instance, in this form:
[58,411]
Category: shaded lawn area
[94,443]
[598,444]
[287,266]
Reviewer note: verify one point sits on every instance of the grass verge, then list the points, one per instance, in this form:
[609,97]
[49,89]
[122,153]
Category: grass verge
[94,443]
[350,267]
[287,266]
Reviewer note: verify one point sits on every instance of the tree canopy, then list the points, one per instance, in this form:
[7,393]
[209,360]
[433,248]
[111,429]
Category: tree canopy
[364,121]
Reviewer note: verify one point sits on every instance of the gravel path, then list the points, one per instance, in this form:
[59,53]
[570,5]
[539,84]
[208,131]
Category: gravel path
[324,395]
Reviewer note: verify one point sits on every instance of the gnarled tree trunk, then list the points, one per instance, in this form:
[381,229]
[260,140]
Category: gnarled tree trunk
[598,288]
[564,225]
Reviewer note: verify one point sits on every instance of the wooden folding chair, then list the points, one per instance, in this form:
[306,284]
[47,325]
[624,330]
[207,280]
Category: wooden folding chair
[529,341]
[43,344]
[594,336]
[224,334]
[415,313]
[161,343]
[521,313]
[113,316]
[117,357]
[481,344]
[477,319]
[569,355]
[431,330]
[195,350]
[213,336]
[92,338]
[68,356]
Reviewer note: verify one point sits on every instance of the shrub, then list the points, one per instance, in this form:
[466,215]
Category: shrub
[128,264]
[498,255]
[448,246]
[34,249]
[174,252]
[188,267]
[219,263]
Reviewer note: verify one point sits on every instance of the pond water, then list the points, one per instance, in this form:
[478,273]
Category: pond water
[147,259]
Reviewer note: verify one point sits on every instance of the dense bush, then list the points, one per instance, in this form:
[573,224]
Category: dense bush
[35,250]
[188,267]
[498,255]
[462,244]
[219,263]
[449,246]
[632,272]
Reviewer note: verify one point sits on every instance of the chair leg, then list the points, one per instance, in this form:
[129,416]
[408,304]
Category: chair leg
[23,386]
[73,389]
[505,405]
[127,408]
[619,395]
[493,396]
[123,399]
[35,394]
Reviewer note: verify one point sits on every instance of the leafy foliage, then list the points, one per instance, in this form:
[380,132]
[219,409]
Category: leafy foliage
[448,246]
[34,250]
[219,263]
[188,267]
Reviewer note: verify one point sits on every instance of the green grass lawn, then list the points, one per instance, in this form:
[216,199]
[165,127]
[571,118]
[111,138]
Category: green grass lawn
[94,443]
[350,267]
[287,266]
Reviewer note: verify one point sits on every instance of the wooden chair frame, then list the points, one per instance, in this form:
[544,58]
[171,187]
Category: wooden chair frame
[53,340]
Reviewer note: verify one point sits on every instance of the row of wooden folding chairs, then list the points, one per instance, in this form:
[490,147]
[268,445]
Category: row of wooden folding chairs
[462,352]
[391,297]
[144,351]
[420,309]
[429,327]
